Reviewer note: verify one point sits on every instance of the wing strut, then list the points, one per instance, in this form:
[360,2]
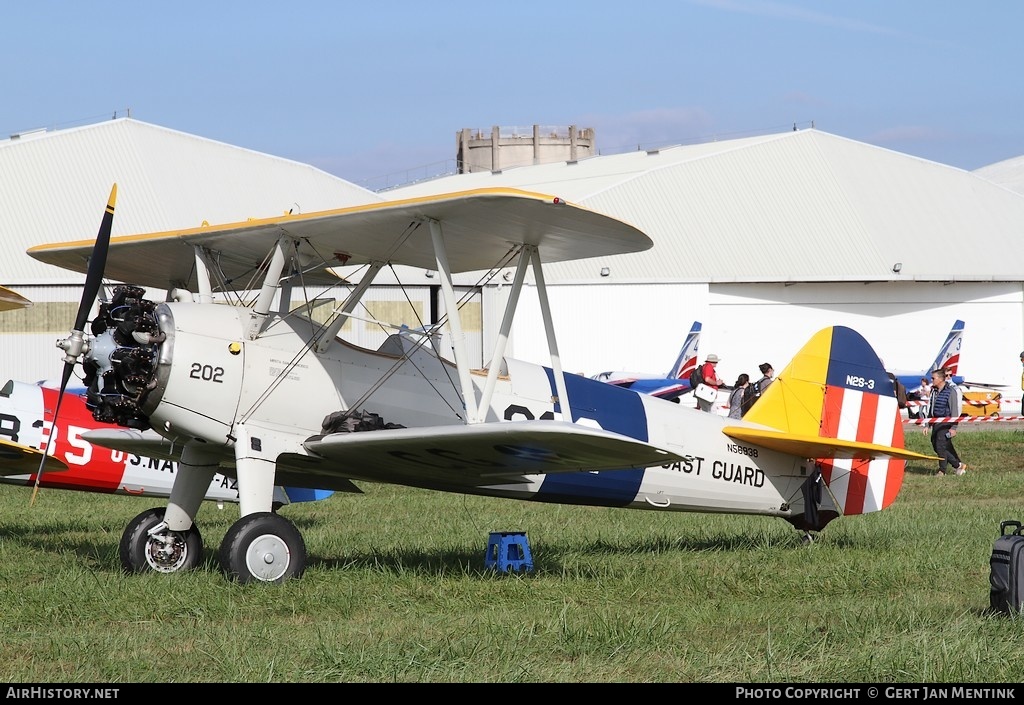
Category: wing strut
[549,328]
[203,275]
[454,323]
[271,283]
[506,326]
[350,303]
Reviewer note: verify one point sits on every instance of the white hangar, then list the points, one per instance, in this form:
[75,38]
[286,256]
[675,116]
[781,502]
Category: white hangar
[1008,173]
[764,239]
[768,239]
[55,185]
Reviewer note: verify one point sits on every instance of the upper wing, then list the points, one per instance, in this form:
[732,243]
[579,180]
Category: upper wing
[482,453]
[18,459]
[479,228]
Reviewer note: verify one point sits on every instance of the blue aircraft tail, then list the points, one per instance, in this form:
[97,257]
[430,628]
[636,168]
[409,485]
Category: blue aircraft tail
[677,380]
[948,359]
[687,360]
[949,353]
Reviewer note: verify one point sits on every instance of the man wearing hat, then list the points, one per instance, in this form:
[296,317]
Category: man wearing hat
[711,379]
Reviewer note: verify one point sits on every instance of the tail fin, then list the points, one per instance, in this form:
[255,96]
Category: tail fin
[835,403]
[687,359]
[949,353]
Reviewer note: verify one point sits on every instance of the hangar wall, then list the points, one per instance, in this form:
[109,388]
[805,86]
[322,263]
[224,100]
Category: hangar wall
[640,327]
[29,335]
[906,323]
[636,327]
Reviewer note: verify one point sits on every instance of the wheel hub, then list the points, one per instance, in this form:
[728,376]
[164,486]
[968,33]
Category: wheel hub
[268,558]
[166,552]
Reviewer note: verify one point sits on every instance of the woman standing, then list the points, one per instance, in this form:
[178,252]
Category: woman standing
[736,397]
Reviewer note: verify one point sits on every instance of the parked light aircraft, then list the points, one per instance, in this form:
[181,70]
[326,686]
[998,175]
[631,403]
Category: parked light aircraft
[272,397]
[947,358]
[28,433]
[29,440]
[673,384]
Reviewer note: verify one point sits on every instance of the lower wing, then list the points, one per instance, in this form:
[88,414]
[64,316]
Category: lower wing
[478,453]
[18,459]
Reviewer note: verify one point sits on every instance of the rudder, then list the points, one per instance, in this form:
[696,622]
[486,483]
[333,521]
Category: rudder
[836,387]
[687,358]
[949,354]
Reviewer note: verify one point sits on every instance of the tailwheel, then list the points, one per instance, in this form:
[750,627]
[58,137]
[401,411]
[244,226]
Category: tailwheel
[148,545]
[263,547]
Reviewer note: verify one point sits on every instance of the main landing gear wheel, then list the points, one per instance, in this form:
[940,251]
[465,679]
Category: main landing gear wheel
[165,551]
[263,547]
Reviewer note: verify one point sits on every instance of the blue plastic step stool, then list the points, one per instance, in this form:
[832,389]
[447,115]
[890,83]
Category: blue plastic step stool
[508,550]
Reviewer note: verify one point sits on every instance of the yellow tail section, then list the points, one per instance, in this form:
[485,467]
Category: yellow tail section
[835,403]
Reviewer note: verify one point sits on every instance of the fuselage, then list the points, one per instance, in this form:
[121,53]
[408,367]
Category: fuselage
[26,417]
[211,376]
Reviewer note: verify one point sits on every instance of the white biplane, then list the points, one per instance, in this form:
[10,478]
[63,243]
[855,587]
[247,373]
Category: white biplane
[271,397]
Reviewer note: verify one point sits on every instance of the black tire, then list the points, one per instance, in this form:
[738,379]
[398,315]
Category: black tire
[263,547]
[166,552]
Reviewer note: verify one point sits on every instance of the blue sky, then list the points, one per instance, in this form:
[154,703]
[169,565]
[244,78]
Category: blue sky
[372,91]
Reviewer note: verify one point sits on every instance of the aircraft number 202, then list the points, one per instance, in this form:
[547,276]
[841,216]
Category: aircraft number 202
[207,373]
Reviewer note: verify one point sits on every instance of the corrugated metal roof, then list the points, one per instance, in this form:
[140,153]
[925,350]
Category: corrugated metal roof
[55,184]
[799,206]
[1008,173]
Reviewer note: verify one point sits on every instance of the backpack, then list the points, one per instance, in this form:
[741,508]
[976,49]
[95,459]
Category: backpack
[750,395]
[901,394]
[901,391]
[696,378]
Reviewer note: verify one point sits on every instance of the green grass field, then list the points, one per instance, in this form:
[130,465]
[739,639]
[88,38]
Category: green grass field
[396,591]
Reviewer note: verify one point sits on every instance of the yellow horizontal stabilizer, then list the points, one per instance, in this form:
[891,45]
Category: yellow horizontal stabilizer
[817,447]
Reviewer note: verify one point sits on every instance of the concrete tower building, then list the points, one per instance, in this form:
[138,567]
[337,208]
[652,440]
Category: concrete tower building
[506,147]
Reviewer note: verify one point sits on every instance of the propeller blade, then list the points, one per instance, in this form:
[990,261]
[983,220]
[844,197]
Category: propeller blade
[75,343]
[97,262]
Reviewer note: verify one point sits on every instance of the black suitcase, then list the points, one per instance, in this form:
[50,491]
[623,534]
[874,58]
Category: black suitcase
[1006,573]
